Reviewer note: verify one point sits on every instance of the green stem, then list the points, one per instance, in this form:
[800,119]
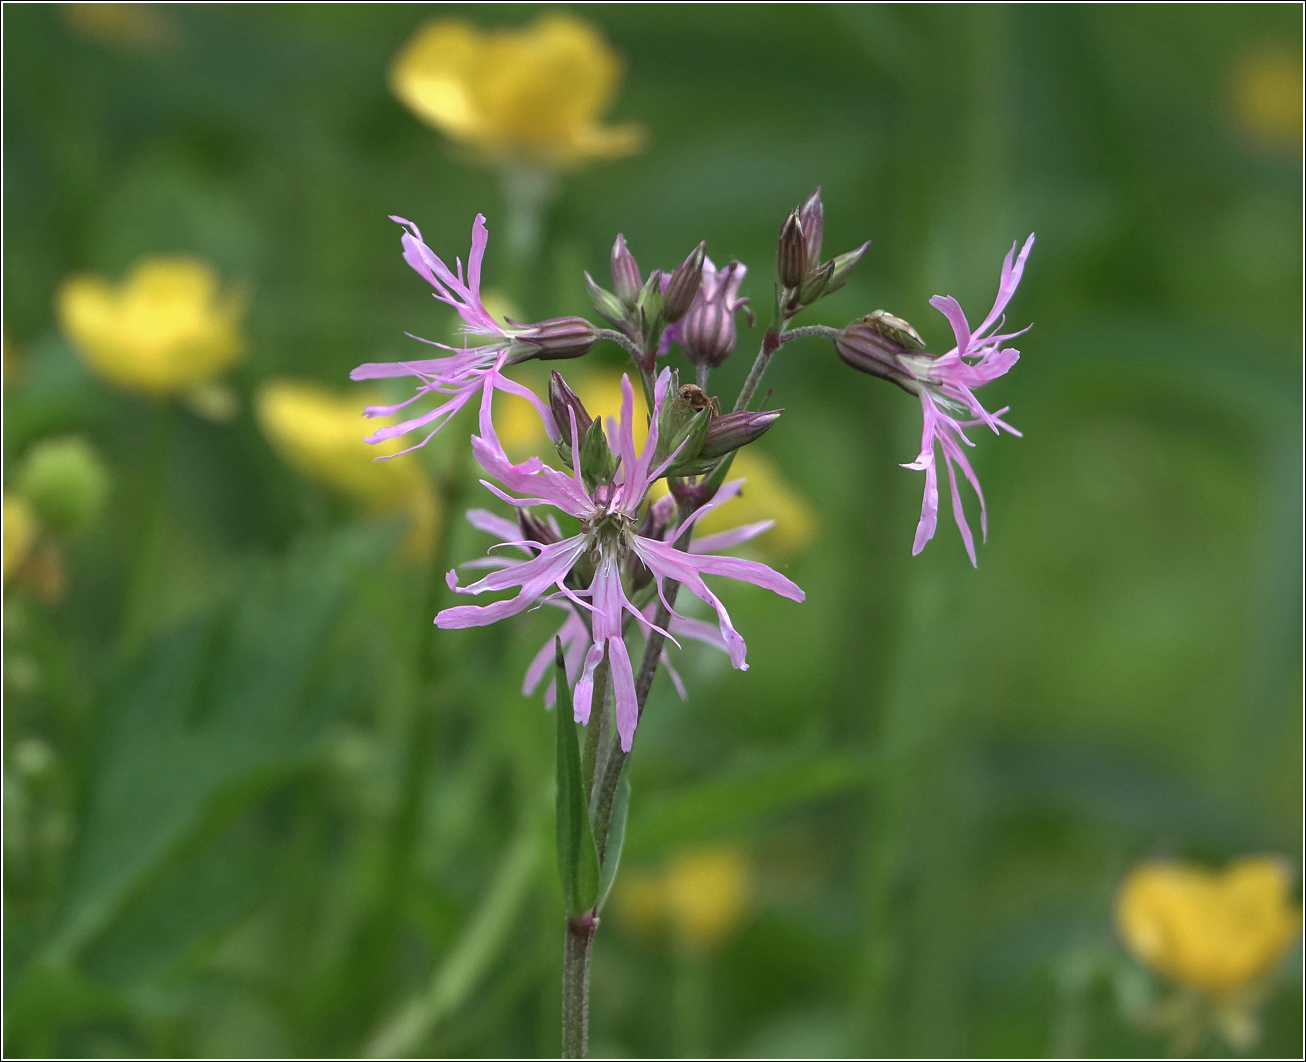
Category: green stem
[576,985]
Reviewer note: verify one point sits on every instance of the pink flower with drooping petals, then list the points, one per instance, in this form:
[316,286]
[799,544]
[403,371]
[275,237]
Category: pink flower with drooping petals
[609,522]
[466,370]
[946,386]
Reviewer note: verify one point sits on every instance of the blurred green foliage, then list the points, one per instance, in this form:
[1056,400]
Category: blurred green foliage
[254,807]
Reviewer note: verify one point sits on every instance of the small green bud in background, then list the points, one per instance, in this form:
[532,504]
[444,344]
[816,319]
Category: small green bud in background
[606,304]
[844,264]
[65,482]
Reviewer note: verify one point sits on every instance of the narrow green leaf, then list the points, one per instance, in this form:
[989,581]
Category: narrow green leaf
[578,861]
[616,838]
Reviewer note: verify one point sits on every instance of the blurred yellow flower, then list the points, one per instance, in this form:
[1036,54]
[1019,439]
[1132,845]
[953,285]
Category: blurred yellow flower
[320,435]
[129,27]
[1212,932]
[701,896]
[19,534]
[767,495]
[531,95]
[167,328]
[1267,96]
[32,562]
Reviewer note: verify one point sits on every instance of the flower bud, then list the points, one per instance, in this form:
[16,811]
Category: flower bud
[811,217]
[533,529]
[626,281]
[791,252]
[564,402]
[708,333]
[608,306]
[65,482]
[683,287]
[598,464]
[553,340]
[844,264]
[816,285]
[734,430]
[867,348]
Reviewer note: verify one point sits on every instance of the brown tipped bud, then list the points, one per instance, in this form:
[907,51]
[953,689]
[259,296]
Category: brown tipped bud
[553,340]
[683,286]
[564,402]
[791,252]
[811,216]
[734,430]
[868,349]
[533,529]
[626,280]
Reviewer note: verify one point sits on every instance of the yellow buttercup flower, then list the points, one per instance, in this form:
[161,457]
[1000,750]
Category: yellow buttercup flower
[166,329]
[19,534]
[320,435]
[531,95]
[701,896]
[1267,96]
[1216,933]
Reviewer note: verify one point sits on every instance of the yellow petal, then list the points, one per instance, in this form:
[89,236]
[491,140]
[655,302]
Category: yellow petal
[533,94]
[1267,97]
[767,495]
[19,534]
[708,894]
[165,329]
[1215,932]
[319,433]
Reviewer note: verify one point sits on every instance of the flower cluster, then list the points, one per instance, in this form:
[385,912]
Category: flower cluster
[628,549]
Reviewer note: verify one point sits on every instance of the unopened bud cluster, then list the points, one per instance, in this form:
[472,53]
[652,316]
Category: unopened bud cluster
[644,309]
[802,277]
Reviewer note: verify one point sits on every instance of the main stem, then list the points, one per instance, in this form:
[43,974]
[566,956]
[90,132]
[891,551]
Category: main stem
[580,931]
[576,985]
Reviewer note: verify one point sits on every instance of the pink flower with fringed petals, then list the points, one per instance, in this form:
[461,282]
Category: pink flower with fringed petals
[465,371]
[947,389]
[609,519]
[575,636]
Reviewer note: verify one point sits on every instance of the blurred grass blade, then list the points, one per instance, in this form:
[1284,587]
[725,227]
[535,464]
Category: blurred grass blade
[578,860]
[233,697]
[616,838]
[716,807]
[471,955]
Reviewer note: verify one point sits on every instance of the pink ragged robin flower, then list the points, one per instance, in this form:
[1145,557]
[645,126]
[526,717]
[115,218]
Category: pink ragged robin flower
[609,516]
[574,634]
[886,346]
[465,371]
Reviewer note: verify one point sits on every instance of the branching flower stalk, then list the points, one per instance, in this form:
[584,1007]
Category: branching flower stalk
[592,539]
